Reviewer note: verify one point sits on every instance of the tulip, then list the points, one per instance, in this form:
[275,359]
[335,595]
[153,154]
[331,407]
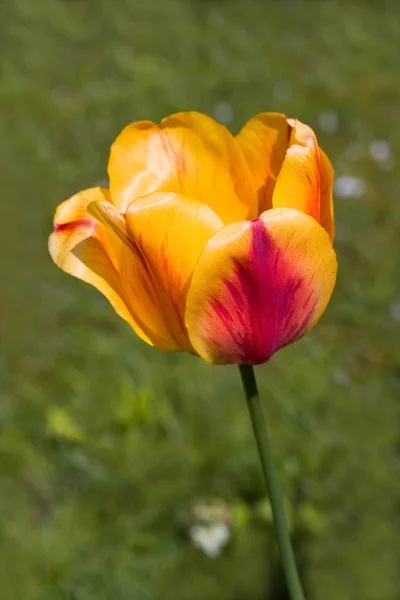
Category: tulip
[211,244]
[206,243]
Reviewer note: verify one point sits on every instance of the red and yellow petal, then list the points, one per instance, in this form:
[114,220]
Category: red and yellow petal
[188,153]
[85,249]
[259,286]
[264,140]
[163,236]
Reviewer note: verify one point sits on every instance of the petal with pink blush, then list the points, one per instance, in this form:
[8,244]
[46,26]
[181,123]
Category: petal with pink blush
[258,286]
[89,251]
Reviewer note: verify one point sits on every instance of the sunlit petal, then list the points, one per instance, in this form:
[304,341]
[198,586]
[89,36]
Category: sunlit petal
[169,232]
[306,177]
[264,140]
[86,249]
[188,153]
[259,286]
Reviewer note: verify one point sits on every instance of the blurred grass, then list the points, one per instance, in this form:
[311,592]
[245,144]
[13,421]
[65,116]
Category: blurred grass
[105,444]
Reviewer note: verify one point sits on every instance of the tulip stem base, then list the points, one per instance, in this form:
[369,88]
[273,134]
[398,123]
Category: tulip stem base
[272,482]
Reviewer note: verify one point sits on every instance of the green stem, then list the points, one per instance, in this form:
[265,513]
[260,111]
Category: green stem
[272,482]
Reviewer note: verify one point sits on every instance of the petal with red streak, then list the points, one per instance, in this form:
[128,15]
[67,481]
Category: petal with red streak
[89,251]
[259,286]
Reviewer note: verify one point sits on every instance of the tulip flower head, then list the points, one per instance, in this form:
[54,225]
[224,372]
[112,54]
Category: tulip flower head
[206,243]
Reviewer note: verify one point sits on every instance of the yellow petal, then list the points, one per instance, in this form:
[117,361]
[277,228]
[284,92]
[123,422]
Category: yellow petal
[299,182]
[264,141]
[136,281]
[89,251]
[188,153]
[169,232]
[259,286]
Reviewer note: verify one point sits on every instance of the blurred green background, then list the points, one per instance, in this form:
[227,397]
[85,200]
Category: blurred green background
[107,446]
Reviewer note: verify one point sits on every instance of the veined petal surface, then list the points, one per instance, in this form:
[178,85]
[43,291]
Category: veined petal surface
[259,286]
[169,232]
[188,153]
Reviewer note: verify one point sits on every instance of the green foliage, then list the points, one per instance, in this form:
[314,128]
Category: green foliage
[107,445]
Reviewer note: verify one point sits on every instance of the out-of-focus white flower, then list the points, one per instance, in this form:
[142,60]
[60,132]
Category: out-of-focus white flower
[350,187]
[211,529]
[328,121]
[282,90]
[395,310]
[210,538]
[223,112]
[380,150]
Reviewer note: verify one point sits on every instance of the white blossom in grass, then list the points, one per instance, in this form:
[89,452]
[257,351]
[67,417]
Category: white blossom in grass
[380,150]
[350,187]
[210,538]
[211,528]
